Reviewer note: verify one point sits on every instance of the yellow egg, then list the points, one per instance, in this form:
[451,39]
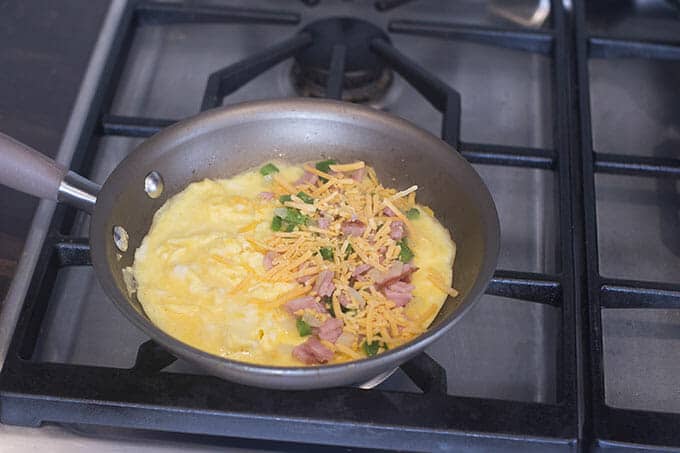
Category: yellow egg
[198,271]
[434,251]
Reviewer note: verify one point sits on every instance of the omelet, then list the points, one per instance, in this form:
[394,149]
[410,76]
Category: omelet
[270,267]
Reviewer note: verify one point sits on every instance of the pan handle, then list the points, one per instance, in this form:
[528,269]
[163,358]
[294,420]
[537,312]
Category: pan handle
[24,169]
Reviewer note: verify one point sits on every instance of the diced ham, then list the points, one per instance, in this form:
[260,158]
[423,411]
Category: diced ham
[381,254]
[324,222]
[358,175]
[344,300]
[268,260]
[361,269]
[397,231]
[303,354]
[409,269]
[397,271]
[353,228]
[324,283]
[320,352]
[266,195]
[388,212]
[399,292]
[307,178]
[312,352]
[305,278]
[330,330]
[302,303]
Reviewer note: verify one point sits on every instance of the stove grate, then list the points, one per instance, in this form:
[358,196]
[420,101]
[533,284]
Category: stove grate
[145,396]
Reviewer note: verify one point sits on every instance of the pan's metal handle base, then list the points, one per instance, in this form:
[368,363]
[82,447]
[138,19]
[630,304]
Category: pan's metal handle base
[24,169]
[79,192]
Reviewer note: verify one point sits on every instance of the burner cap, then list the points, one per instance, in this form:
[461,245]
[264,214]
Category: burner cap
[366,78]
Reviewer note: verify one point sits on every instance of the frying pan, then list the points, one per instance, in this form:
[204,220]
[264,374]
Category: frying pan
[226,141]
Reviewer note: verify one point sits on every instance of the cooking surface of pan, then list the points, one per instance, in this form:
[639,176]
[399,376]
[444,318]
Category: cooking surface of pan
[223,142]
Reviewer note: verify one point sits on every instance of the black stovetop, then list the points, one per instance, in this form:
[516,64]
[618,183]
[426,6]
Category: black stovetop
[577,320]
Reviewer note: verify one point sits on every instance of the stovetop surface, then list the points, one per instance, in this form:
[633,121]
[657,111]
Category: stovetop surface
[505,348]
[500,350]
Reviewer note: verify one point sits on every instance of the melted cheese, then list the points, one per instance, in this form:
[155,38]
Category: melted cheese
[200,277]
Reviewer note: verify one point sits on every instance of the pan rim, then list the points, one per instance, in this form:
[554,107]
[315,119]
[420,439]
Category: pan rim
[216,118]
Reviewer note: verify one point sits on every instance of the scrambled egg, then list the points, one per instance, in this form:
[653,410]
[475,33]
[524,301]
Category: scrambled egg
[197,269]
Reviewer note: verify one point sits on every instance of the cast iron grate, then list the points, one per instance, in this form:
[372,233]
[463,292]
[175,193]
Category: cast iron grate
[146,397]
[610,425]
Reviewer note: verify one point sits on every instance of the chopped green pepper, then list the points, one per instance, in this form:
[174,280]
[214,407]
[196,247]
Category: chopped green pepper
[277,223]
[326,253]
[306,198]
[303,328]
[325,165]
[296,216]
[268,169]
[289,218]
[370,349]
[349,251]
[412,214]
[406,254]
[284,198]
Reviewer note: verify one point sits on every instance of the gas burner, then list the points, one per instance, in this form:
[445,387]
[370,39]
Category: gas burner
[366,78]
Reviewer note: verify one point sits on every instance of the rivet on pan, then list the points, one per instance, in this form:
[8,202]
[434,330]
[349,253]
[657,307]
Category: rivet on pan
[153,184]
[120,238]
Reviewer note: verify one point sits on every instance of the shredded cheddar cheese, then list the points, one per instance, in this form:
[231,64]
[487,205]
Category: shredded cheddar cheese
[403,193]
[284,184]
[295,292]
[324,261]
[319,173]
[348,229]
[348,167]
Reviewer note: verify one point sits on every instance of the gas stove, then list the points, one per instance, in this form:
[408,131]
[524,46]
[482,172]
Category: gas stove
[571,116]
